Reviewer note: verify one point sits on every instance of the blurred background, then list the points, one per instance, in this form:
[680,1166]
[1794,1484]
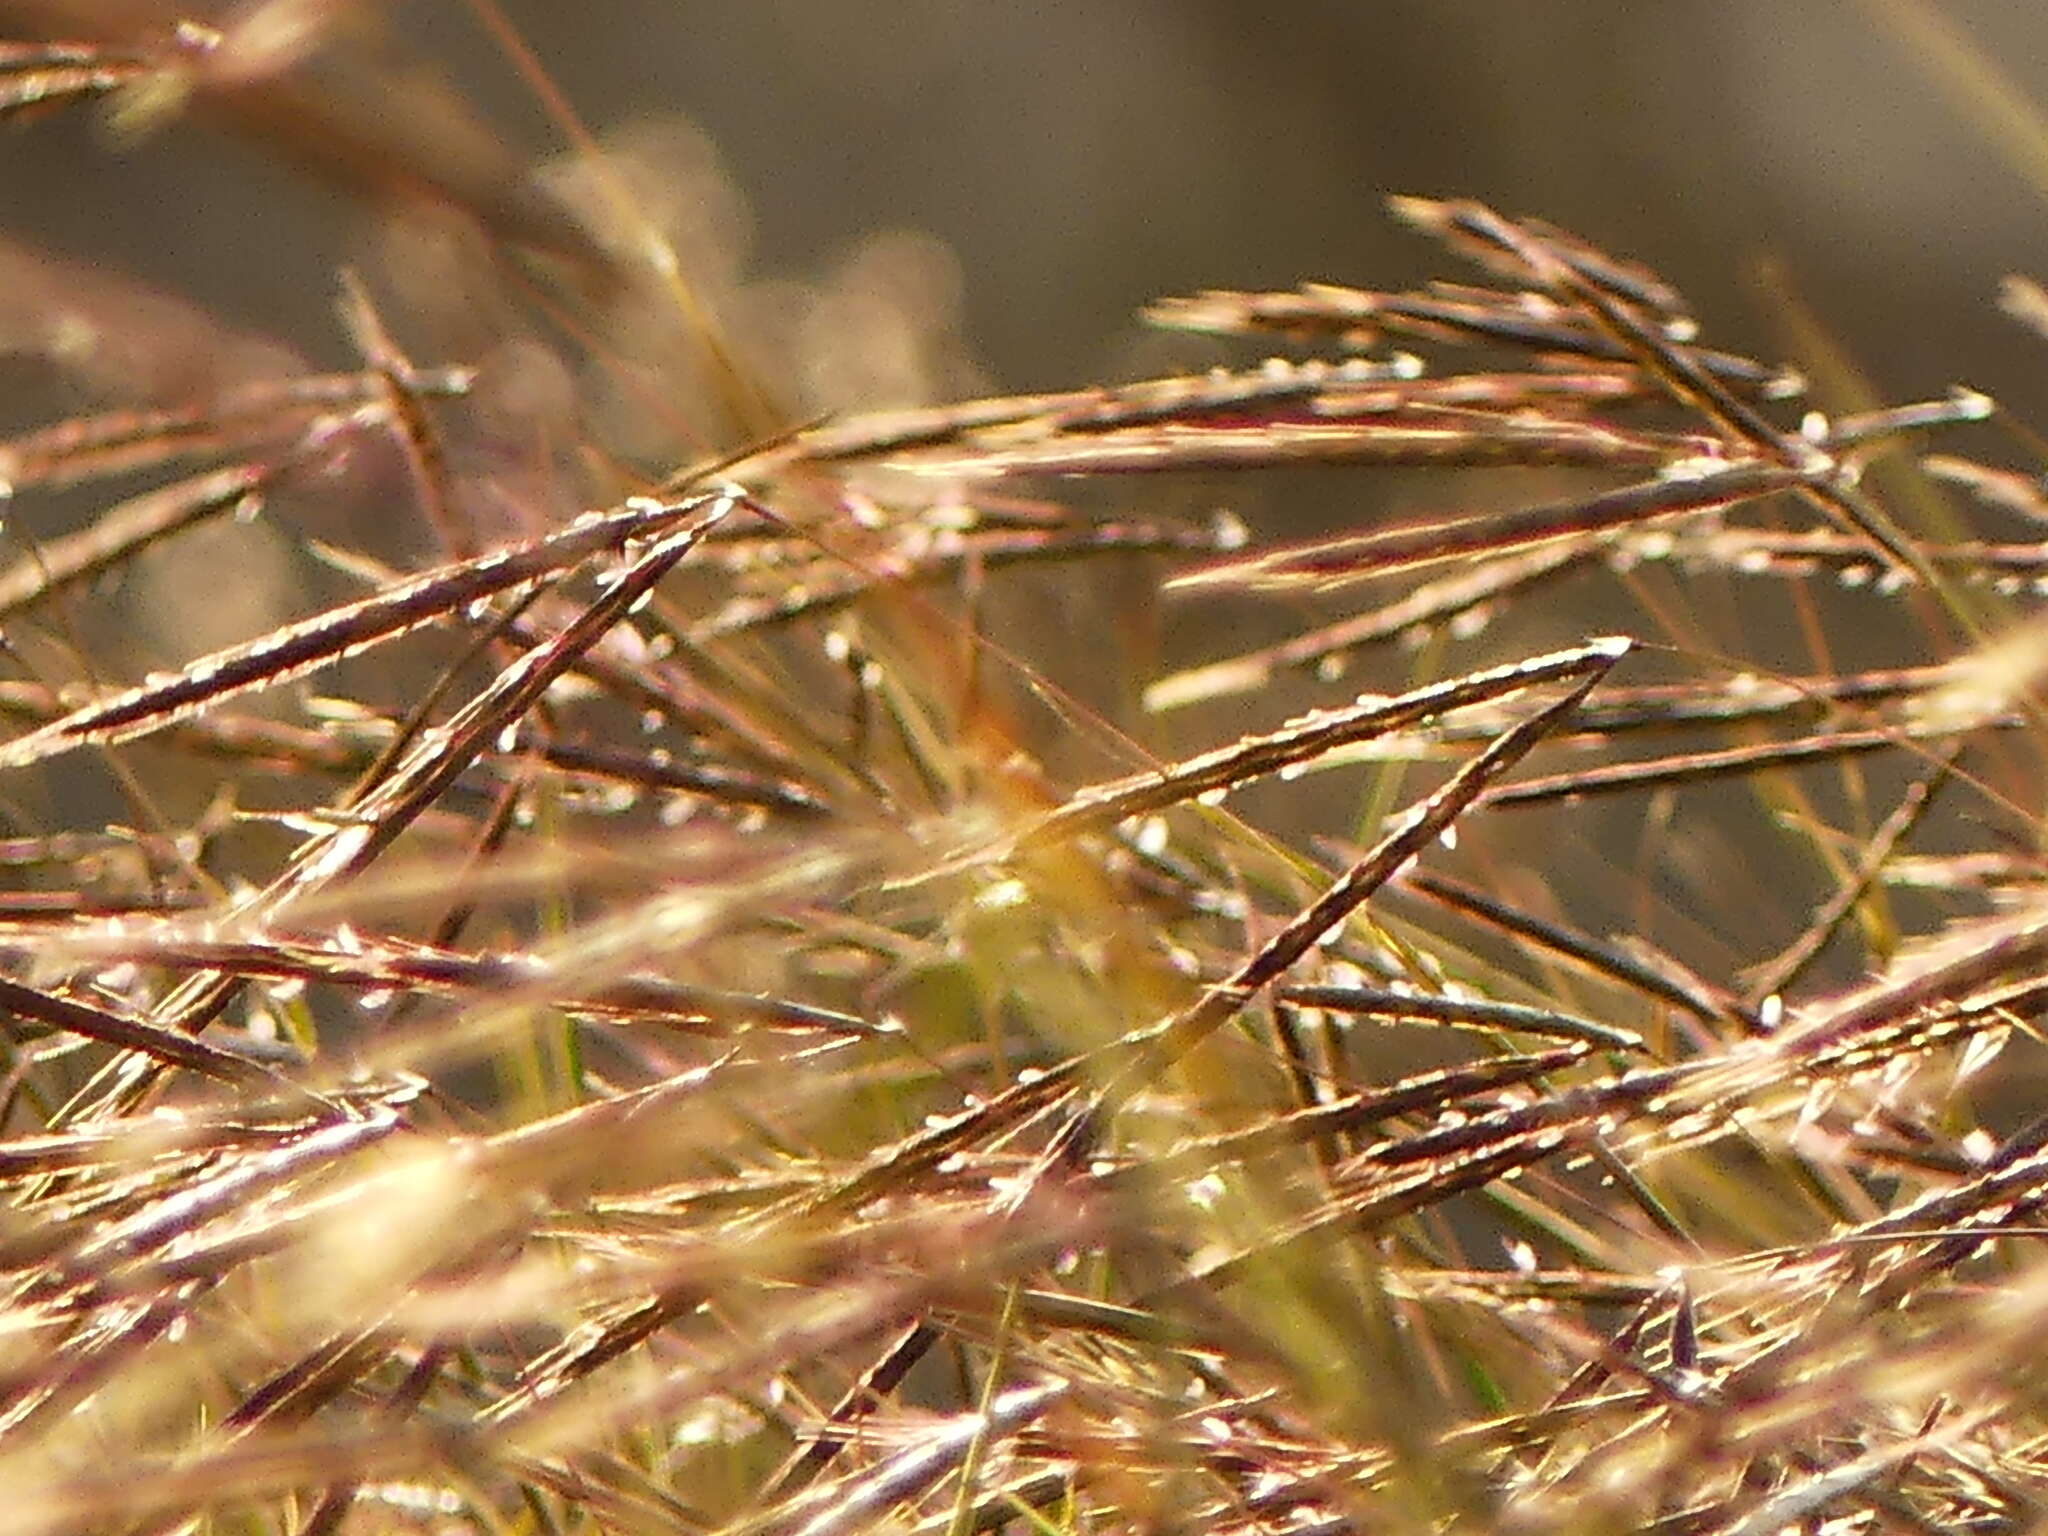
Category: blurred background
[1058,165]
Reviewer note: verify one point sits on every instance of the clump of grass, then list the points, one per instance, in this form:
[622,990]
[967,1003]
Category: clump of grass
[685,1048]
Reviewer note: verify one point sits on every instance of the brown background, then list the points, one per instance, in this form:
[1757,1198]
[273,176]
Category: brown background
[1080,158]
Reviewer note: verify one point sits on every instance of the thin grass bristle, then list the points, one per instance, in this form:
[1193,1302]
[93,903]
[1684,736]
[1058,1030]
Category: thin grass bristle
[871,976]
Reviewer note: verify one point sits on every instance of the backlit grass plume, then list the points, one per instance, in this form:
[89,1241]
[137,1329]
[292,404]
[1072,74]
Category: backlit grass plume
[770,1001]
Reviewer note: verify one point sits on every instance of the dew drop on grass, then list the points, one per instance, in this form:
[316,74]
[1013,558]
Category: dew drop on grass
[1151,837]
[1003,894]
[1472,622]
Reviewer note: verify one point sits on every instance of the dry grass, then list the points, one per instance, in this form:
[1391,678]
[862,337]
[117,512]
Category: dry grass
[661,1029]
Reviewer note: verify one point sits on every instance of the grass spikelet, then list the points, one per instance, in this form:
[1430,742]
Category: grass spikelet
[723,971]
